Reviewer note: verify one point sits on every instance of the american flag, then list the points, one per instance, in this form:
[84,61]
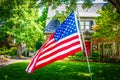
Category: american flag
[64,42]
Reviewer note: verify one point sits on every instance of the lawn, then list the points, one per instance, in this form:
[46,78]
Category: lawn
[62,71]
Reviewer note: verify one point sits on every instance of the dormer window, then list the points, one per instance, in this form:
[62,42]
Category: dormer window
[85,25]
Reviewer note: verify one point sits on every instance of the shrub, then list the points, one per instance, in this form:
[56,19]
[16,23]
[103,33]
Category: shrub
[38,45]
[77,56]
[3,50]
[12,51]
[95,56]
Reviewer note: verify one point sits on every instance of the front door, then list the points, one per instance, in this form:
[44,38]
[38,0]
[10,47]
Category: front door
[88,48]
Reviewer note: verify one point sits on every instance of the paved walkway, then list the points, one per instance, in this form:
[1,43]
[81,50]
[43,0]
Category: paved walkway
[10,61]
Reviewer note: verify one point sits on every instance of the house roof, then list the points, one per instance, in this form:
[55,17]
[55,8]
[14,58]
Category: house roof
[91,13]
[52,25]
[94,1]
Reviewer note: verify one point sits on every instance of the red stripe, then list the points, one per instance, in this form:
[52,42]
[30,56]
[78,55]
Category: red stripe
[47,43]
[62,42]
[57,58]
[38,54]
[33,60]
[59,50]
[31,63]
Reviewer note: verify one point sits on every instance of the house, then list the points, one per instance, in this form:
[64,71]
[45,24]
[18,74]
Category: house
[87,16]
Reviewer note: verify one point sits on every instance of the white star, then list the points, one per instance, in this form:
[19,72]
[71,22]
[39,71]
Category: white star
[66,32]
[68,29]
[71,31]
[65,28]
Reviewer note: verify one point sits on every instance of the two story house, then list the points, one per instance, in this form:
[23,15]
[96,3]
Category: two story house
[87,17]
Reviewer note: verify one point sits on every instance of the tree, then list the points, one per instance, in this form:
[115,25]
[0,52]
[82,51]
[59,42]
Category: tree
[108,24]
[70,6]
[43,16]
[108,27]
[115,3]
[21,22]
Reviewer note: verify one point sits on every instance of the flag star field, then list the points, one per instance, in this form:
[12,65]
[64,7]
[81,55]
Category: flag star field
[67,28]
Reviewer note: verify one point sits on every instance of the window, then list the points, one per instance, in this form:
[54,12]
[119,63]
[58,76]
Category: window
[85,25]
[107,50]
[115,49]
[82,25]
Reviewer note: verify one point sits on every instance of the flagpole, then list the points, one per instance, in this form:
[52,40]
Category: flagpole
[83,43]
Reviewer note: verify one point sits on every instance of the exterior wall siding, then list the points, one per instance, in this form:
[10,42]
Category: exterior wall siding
[106,49]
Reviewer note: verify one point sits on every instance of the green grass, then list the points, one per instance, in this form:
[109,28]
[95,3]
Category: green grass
[62,71]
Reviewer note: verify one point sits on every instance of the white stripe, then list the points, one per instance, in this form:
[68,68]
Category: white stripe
[60,41]
[31,67]
[48,42]
[58,54]
[61,46]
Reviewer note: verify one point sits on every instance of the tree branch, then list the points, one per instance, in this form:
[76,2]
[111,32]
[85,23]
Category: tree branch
[116,4]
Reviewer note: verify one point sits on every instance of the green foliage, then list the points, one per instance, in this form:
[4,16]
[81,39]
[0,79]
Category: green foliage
[43,17]
[87,4]
[70,6]
[21,21]
[38,45]
[80,56]
[77,56]
[10,52]
[108,23]
[62,71]
[95,56]
[3,51]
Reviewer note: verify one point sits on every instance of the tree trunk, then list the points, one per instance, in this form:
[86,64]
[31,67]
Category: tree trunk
[21,49]
[116,4]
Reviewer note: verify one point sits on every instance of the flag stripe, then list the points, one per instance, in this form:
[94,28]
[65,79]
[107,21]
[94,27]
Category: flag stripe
[64,39]
[73,39]
[55,59]
[34,60]
[58,50]
[33,63]
[58,46]
[60,54]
